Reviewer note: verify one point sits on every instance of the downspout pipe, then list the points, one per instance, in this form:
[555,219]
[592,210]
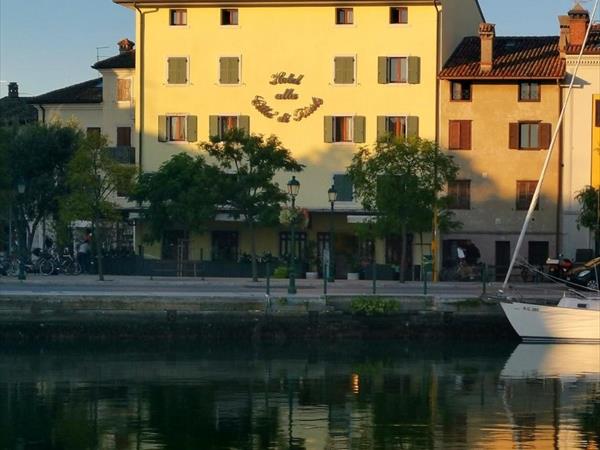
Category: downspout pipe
[559,197]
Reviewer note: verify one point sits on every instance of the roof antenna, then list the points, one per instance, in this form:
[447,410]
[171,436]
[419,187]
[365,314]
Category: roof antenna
[98,55]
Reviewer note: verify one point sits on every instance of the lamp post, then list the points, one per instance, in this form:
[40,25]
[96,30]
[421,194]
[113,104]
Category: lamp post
[293,187]
[22,238]
[332,194]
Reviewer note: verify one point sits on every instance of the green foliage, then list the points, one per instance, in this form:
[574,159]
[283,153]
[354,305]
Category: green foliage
[373,306]
[280,272]
[185,191]
[38,154]
[589,216]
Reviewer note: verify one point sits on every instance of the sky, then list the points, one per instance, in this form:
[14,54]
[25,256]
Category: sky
[49,44]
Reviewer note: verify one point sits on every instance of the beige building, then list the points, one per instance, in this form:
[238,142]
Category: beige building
[500,101]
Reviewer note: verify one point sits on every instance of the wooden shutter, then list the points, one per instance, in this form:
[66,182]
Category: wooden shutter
[123,137]
[213,125]
[229,70]
[123,89]
[513,136]
[192,128]
[328,128]
[454,134]
[244,123]
[381,130]
[344,70]
[359,129]
[465,135]
[412,127]
[545,135]
[382,65]
[162,129]
[177,71]
[343,186]
[414,70]
[597,120]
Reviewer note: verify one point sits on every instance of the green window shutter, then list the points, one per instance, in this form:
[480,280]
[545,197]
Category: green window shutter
[328,127]
[192,128]
[359,129]
[381,131]
[343,186]
[344,70]
[162,128]
[412,126]
[244,124]
[213,126]
[177,71]
[229,70]
[382,65]
[414,70]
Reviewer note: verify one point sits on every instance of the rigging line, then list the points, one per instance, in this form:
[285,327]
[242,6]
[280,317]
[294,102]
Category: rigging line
[538,188]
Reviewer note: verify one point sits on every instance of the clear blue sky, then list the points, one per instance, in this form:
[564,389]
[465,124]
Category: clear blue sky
[49,44]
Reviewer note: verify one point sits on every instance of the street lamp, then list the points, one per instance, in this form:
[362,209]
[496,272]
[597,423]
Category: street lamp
[293,188]
[22,239]
[332,194]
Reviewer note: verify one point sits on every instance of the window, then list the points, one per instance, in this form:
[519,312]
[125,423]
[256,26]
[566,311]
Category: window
[344,188]
[345,129]
[396,126]
[285,244]
[175,245]
[123,89]
[529,92]
[459,194]
[344,16]
[393,250]
[529,135]
[459,135]
[342,129]
[225,246]
[219,125]
[178,70]
[460,90]
[227,123]
[399,69]
[597,116]
[399,15]
[344,70]
[525,190]
[93,131]
[178,17]
[229,17]
[176,128]
[123,137]
[229,70]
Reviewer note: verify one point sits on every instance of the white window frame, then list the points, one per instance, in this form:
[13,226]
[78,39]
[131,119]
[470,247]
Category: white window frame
[237,115]
[187,18]
[189,64]
[344,25]
[185,131]
[221,17]
[240,70]
[351,141]
[406,116]
[398,25]
[344,55]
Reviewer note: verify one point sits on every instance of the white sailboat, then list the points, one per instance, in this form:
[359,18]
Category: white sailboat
[573,318]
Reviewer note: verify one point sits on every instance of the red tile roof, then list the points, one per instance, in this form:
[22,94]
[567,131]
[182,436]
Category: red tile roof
[592,46]
[514,58]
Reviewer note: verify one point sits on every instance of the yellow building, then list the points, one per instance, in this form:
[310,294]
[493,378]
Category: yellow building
[325,77]
[500,102]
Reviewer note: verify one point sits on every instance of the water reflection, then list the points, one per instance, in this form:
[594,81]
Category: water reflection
[346,396]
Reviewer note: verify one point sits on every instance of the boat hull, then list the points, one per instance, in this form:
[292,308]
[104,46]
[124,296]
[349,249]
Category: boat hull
[552,323]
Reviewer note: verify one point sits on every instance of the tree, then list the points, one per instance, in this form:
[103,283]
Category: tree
[253,161]
[589,216]
[38,154]
[94,178]
[185,191]
[399,180]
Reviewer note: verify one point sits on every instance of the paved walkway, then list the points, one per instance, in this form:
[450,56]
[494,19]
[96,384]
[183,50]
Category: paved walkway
[136,286]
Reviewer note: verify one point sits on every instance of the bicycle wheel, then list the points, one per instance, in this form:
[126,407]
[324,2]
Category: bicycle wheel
[46,267]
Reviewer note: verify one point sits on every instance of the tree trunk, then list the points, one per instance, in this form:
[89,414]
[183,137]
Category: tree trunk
[253,252]
[403,253]
[98,245]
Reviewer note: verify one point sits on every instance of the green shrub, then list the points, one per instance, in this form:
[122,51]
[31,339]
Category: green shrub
[280,272]
[372,306]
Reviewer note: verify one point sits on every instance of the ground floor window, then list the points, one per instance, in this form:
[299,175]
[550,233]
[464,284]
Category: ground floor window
[285,244]
[225,246]
[393,250]
[175,245]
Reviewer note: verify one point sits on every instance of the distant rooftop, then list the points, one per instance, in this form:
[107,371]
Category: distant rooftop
[86,92]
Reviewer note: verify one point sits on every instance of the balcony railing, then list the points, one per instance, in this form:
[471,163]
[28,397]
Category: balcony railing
[123,154]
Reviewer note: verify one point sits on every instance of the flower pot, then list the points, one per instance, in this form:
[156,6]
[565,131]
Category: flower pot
[312,275]
[352,276]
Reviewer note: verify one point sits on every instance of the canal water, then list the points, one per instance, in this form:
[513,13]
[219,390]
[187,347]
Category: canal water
[384,395]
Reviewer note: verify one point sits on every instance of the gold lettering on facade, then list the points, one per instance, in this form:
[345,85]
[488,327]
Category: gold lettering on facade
[263,107]
[303,113]
[285,118]
[284,78]
[289,94]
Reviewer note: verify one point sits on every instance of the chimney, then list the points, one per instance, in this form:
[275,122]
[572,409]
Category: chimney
[563,42]
[13,90]
[487,33]
[579,18]
[125,45]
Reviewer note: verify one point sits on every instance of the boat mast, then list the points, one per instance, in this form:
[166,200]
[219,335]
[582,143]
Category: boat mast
[538,188]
